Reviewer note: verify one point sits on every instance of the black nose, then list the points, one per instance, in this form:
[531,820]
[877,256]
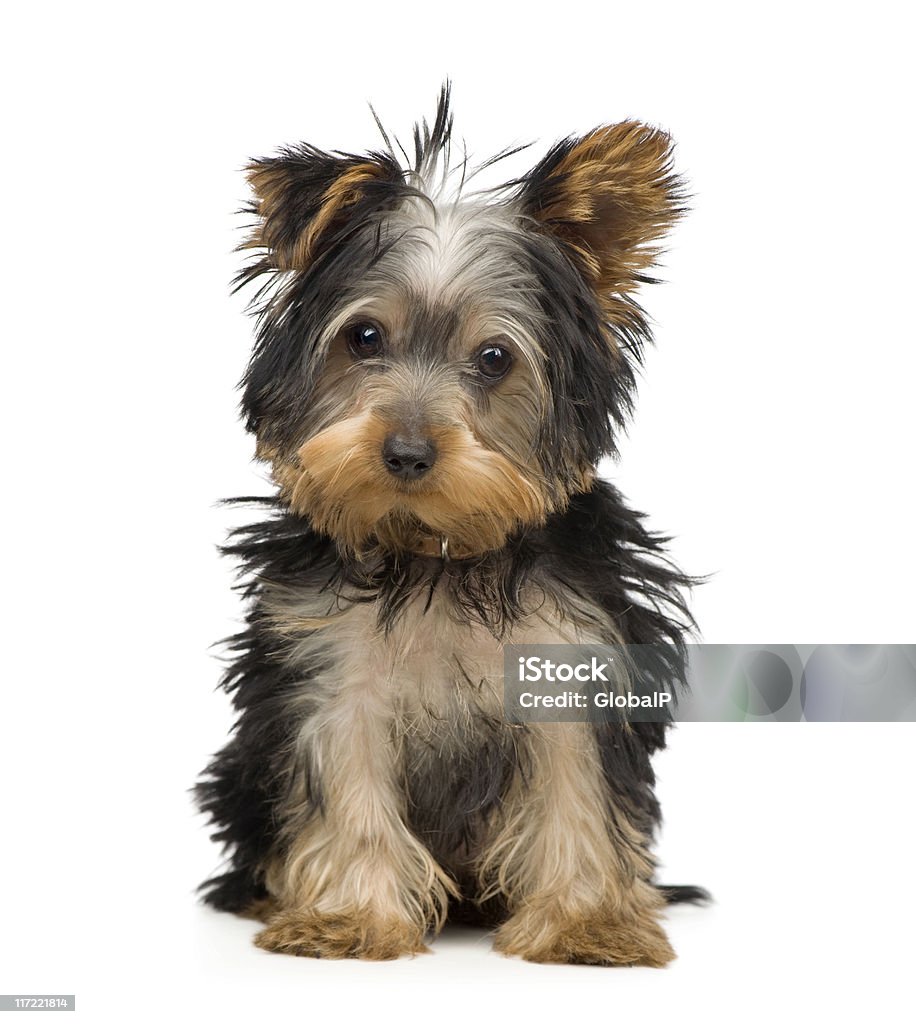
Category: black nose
[408,457]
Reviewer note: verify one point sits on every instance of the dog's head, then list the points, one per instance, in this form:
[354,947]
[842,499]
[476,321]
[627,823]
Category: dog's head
[436,366]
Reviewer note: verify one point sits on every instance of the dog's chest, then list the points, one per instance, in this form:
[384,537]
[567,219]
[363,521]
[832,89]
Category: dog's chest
[429,688]
[431,668]
[437,672]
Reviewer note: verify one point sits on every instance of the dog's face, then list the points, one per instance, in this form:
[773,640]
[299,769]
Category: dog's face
[432,367]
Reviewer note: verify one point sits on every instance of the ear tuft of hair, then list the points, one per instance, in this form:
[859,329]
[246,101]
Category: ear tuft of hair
[305,198]
[607,197]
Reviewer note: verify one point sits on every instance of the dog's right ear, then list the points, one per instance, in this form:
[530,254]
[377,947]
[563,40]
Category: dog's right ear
[305,199]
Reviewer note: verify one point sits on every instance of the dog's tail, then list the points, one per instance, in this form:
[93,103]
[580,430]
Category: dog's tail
[684,894]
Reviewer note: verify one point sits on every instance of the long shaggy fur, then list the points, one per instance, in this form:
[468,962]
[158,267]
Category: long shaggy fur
[373,785]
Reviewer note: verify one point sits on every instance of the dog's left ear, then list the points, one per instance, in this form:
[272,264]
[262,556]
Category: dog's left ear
[607,197]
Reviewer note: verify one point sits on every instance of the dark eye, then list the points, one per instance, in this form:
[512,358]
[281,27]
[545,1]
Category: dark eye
[493,361]
[364,340]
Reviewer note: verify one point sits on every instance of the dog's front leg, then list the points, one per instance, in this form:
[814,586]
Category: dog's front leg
[353,880]
[572,867]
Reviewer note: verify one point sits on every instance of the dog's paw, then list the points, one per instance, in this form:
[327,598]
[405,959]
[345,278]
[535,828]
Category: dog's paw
[337,937]
[593,939]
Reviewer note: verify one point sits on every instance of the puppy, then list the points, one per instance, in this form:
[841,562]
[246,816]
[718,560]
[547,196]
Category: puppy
[435,377]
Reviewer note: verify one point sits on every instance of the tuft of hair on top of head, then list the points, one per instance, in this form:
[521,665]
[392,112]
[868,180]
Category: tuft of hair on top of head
[306,200]
[432,145]
[606,197]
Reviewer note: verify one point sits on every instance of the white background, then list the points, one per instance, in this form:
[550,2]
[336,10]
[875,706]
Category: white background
[773,437]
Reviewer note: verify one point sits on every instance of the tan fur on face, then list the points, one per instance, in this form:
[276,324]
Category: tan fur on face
[473,496]
[613,195]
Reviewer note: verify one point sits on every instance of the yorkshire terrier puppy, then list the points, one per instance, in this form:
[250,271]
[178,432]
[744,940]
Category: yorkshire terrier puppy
[435,378]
